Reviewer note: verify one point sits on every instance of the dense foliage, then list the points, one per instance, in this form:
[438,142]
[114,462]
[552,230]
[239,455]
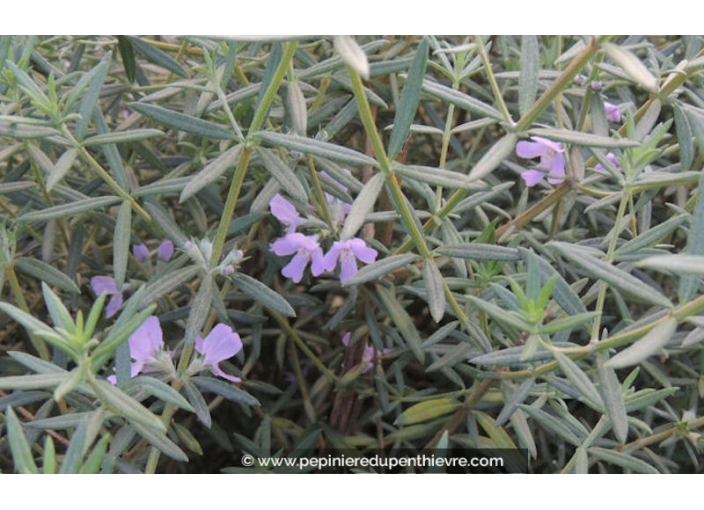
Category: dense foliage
[213,246]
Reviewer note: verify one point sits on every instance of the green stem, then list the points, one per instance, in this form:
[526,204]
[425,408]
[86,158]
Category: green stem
[498,96]
[564,81]
[301,344]
[37,342]
[271,91]
[113,184]
[230,204]
[609,259]
[368,121]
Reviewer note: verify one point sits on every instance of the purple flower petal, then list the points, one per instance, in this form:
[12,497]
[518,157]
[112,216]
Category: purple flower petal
[612,112]
[330,258]
[145,343]
[346,338]
[532,177]
[529,150]
[166,250]
[362,251]
[295,268]
[549,145]
[140,252]
[348,267]
[317,265]
[216,370]
[221,343]
[113,305]
[557,168]
[104,284]
[285,212]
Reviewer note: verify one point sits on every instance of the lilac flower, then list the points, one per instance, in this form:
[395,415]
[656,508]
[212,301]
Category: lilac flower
[140,252]
[284,211]
[220,344]
[612,112]
[612,158]
[348,252]
[145,345]
[552,160]
[107,285]
[305,248]
[166,250]
[367,356]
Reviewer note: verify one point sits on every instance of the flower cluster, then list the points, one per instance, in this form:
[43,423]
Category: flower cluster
[148,353]
[306,249]
[552,160]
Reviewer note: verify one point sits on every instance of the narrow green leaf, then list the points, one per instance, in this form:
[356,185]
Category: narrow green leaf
[69,209]
[434,176]
[500,315]
[583,139]
[380,268]
[62,166]
[76,448]
[511,404]
[316,148]
[21,452]
[283,174]
[528,77]
[127,406]
[127,53]
[31,324]
[183,122]
[613,276]
[689,283]
[613,398]
[651,236]
[648,397]
[684,138]
[95,459]
[157,56]
[226,390]
[551,423]
[90,100]
[32,382]
[352,54]
[435,289]
[295,103]
[169,282]
[674,263]
[403,321]
[580,380]
[427,410]
[25,81]
[362,206]
[211,172]
[160,442]
[200,308]
[46,273]
[57,311]
[121,243]
[493,157]
[133,135]
[70,383]
[49,457]
[198,403]
[622,459]
[461,100]
[263,294]
[157,389]
[650,344]
[478,251]
[569,322]
[406,109]
[632,65]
